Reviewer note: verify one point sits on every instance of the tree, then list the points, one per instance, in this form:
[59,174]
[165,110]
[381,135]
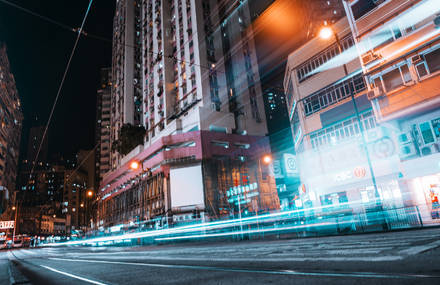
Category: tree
[129,137]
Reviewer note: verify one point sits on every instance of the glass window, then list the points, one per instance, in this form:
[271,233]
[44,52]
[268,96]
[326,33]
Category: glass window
[392,80]
[362,7]
[433,60]
[436,126]
[426,131]
[406,74]
[421,70]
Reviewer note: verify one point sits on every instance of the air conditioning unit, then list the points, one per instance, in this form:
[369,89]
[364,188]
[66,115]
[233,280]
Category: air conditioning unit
[374,93]
[375,134]
[405,138]
[416,59]
[437,21]
[369,57]
[407,150]
[427,150]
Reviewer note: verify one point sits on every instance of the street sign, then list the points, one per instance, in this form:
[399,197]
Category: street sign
[6,225]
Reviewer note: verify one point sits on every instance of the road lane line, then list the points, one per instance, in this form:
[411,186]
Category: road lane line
[274,272]
[73,276]
[420,248]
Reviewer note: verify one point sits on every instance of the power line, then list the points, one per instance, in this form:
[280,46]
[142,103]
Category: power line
[61,84]
[82,162]
[38,15]
[81,31]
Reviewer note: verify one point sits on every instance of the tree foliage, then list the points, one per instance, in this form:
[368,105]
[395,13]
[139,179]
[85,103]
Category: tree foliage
[129,137]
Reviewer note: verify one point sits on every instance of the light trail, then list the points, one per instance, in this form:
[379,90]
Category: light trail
[273,217]
[245,232]
[417,14]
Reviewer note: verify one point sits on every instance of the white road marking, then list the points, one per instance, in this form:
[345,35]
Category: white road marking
[73,276]
[276,272]
[420,248]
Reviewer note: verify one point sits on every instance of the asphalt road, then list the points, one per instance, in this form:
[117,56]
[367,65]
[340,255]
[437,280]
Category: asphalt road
[407,257]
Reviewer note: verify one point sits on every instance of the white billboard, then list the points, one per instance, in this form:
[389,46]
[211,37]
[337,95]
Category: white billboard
[186,186]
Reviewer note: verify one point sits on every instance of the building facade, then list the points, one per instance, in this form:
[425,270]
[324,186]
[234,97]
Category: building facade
[11,118]
[102,135]
[399,46]
[201,98]
[126,99]
[364,127]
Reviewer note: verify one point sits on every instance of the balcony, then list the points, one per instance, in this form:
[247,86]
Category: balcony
[409,100]
[382,13]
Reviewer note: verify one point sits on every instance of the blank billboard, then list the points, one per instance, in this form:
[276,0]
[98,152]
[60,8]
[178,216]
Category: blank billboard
[186,186]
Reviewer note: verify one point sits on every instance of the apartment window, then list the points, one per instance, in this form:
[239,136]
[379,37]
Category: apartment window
[342,131]
[433,60]
[333,94]
[390,80]
[304,70]
[362,7]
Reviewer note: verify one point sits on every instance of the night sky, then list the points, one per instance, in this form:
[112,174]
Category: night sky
[38,52]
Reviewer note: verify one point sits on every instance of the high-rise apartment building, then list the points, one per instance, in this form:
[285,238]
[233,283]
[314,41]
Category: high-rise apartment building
[126,99]
[11,118]
[102,129]
[195,66]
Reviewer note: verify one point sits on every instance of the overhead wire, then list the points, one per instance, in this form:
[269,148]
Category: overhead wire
[61,25]
[80,31]
[61,86]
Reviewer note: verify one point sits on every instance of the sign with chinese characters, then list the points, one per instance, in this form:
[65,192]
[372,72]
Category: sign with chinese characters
[6,225]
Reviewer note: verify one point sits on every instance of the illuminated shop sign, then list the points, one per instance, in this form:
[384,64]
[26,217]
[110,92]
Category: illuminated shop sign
[242,193]
[6,225]
[358,172]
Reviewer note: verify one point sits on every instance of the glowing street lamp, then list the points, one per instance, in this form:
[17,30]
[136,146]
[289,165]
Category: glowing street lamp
[89,193]
[326,33]
[134,165]
[267,159]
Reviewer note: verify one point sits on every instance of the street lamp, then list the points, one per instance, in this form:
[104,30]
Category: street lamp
[267,159]
[14,208]
[89,193]
[137,165]
[134,165]
[325,33]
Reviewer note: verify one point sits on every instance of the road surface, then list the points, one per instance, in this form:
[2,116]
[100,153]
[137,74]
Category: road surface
[406,257]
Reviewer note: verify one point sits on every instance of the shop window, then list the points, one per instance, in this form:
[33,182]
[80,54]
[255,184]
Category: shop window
[436,126]
[426,131]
